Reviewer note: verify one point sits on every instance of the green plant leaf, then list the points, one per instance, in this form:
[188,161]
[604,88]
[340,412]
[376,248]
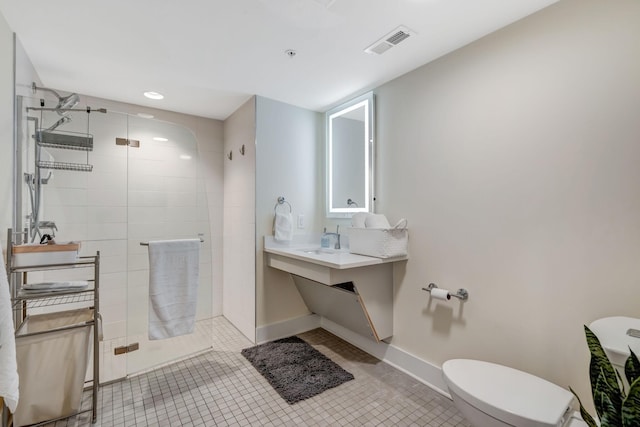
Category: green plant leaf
[611,416]
[632,367]
[600,365]
[621,382]
[583,412]
[631,406]
[608,399]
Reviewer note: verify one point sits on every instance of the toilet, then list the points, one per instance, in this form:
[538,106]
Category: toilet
[617,335]
[491,395]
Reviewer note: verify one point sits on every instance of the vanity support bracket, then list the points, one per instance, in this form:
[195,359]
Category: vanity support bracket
[368,310]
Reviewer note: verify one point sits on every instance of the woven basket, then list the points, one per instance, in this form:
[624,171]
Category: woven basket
[379,242]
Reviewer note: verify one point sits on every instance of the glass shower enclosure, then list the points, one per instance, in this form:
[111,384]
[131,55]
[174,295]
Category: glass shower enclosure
[112,181]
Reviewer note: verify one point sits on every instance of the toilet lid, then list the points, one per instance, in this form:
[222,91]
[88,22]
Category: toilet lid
[510,395]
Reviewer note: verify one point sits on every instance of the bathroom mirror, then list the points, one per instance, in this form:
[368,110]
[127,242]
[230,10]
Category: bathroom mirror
[350,157]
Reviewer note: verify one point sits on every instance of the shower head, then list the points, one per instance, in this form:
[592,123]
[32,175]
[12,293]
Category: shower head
[64,102]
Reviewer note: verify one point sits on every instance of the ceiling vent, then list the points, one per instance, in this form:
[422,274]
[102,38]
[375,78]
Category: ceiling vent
[390,40]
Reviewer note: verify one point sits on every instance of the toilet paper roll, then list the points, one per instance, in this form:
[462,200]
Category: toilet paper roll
[442,294]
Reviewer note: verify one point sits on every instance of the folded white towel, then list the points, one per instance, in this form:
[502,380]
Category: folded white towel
[72,284]
[283,226]
[173,287]
[9,382]
[47,288]
[44,292]
[358,220]
[377,221]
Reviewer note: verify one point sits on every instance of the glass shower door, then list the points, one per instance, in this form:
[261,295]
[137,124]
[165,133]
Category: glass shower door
[79,195]
[166,200]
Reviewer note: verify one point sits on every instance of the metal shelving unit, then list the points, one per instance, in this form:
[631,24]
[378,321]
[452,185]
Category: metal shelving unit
[23,303]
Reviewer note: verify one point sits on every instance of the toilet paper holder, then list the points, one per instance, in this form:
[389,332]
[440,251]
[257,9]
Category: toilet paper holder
[462,294]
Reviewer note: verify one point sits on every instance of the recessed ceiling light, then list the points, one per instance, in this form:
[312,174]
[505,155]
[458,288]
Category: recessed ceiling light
[153,95]
[145,115]
[185,156]
[159,138]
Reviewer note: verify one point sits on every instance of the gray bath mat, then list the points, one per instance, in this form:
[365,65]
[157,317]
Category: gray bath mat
[294,369]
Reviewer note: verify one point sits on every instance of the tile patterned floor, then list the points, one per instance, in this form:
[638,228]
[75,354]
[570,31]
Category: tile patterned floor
[221,388]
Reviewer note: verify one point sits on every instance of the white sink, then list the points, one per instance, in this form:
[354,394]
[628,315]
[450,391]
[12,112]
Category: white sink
[327,257]
[317,251]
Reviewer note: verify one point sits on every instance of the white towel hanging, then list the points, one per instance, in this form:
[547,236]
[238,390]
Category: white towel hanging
[173,287]
[283,227]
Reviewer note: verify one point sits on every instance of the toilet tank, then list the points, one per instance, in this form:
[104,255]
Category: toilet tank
[618,334]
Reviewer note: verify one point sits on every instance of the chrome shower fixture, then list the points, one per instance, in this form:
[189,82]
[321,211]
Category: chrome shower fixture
[63,120]
[65,103]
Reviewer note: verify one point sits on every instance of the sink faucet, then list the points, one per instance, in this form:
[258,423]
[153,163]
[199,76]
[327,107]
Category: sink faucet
[336,235]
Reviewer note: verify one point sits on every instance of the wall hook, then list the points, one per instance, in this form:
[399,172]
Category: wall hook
[242,150]
[230,155]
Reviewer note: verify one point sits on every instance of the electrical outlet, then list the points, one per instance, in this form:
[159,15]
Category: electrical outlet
[300,220]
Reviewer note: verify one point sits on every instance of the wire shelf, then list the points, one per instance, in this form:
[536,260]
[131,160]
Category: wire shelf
[65,140]
[46,299]
[78,167]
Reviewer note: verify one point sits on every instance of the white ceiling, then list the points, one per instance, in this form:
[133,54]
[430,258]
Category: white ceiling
[209,56]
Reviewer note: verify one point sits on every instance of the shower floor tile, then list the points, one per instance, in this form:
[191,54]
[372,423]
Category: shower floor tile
[221,388]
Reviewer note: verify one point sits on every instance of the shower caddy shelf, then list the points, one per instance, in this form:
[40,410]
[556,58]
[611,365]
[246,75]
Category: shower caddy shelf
[64,141]
[78,167]
[21,304]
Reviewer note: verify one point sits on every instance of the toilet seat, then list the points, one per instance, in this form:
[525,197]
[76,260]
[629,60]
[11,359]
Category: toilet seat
[512,396]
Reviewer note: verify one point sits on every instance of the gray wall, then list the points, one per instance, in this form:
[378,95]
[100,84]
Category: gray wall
[289,164]
[515,160]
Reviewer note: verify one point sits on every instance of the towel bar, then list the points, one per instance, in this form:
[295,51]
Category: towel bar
[147,243]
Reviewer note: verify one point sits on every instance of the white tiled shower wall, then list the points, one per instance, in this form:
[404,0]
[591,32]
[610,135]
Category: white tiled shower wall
[133,195]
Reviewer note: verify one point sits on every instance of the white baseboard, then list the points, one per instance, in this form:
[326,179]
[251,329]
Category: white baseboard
[286,328]
[423,371]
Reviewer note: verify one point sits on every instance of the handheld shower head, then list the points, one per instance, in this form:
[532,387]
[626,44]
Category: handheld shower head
[65,119]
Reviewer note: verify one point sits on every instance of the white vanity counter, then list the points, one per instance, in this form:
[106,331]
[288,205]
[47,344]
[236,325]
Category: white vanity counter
[352,290]
[308,249]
